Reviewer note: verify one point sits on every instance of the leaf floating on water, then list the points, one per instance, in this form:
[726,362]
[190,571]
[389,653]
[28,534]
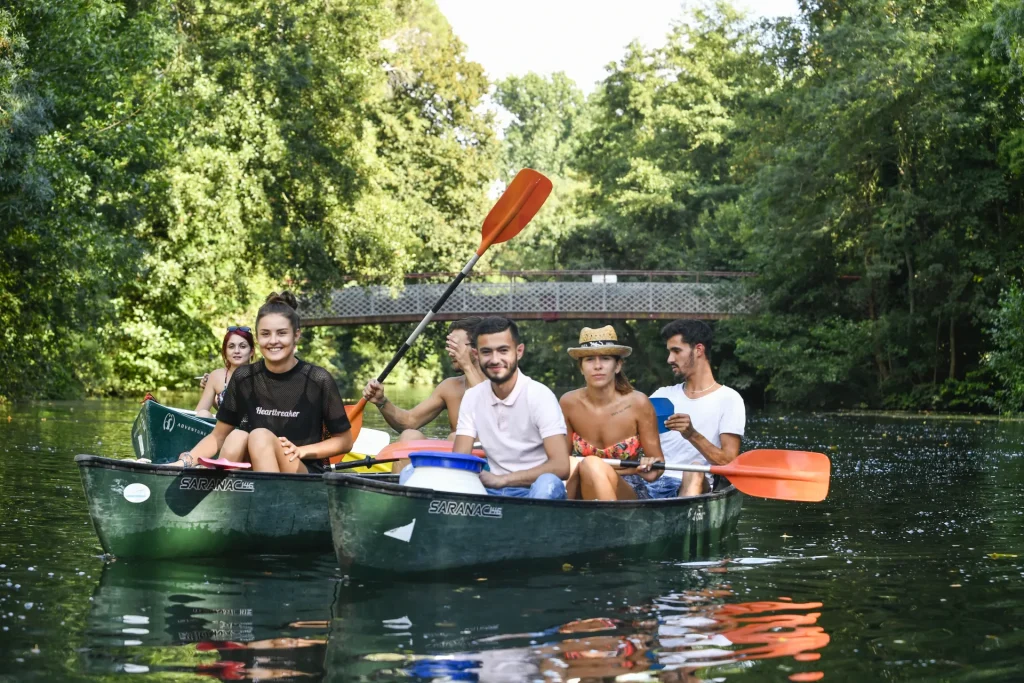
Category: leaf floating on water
[954,585]
[567,567]
[1001,556]
[807,676]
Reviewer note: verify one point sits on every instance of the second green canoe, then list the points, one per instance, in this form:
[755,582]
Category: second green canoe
[160,433]
[385,527]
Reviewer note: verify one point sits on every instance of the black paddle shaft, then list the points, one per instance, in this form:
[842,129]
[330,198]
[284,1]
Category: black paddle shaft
[407,344]
[634,463]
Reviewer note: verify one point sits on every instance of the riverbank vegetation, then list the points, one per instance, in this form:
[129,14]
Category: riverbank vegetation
[164,165]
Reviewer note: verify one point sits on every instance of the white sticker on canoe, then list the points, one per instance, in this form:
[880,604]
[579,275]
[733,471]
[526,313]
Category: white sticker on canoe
[142,445]
[136,493]
[402,533]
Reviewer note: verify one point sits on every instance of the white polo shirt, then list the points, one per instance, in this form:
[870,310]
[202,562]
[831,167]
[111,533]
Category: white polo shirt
[720,412]
[511,430]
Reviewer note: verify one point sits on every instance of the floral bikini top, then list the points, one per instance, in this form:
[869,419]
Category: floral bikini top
[630,449]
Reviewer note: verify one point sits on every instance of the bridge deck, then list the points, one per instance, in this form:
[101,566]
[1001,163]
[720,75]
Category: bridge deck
[548,300]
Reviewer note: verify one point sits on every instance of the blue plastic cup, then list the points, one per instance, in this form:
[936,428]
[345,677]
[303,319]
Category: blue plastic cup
[663,409]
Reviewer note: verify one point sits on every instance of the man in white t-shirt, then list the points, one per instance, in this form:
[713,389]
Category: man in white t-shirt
[709,418]
[518,421]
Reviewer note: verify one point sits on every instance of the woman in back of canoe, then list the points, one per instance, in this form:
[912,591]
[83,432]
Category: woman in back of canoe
[283,403]
[609,419]
[237,349]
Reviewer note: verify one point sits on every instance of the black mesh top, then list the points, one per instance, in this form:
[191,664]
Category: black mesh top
[298,404]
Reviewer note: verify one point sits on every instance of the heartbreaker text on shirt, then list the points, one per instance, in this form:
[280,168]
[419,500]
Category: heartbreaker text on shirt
[276,413]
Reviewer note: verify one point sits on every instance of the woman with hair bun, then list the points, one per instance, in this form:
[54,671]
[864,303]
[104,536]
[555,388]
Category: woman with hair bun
[283,403]
[237,349]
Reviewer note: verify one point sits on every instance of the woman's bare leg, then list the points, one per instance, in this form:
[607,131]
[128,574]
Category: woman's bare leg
[267,455]
[572,484]
[236,446]
[600,481]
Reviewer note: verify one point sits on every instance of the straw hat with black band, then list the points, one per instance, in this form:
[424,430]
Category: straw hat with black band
[599,342]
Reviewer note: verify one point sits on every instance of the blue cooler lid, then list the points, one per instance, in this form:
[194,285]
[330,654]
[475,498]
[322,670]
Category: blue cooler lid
[453,461]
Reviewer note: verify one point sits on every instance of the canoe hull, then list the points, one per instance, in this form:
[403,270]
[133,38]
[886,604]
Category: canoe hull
[144,511]
[384,527]
[160,433]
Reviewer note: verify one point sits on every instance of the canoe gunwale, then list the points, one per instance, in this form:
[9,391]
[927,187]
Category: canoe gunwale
[97,461]
[391,489]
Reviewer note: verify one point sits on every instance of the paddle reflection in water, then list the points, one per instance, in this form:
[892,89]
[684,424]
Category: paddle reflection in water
[559,629]
[264,620]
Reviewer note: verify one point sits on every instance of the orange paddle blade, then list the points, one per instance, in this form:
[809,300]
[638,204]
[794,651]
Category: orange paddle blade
[355,417]
[784,475]
[402,449]
[519,203]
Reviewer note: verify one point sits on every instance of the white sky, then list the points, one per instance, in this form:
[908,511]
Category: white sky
[578,37]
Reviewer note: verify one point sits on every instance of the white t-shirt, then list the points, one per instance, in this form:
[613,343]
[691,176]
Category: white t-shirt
[511,430]
[720,412]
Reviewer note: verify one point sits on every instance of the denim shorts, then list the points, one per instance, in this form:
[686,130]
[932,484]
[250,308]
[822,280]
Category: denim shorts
[662,487]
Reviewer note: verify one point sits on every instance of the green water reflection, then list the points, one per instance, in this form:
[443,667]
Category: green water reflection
[911,570]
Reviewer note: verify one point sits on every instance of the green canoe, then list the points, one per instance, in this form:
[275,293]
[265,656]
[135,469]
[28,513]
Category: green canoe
[145,511]
[385,527]
[160,433]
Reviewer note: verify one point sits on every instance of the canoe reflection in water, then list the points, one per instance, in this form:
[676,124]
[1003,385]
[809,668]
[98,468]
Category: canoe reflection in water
[673,638]
[264,620]
[264,660]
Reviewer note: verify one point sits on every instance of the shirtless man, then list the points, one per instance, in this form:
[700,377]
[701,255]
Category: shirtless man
[447,395]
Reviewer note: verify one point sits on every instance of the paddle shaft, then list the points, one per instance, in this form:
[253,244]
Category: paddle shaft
[726,470]
[487,241]
[365,462]
[407,344]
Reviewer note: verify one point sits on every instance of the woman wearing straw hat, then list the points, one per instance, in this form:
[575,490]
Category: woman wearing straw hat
[609,419]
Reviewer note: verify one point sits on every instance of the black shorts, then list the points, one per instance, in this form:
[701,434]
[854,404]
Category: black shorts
[317,466]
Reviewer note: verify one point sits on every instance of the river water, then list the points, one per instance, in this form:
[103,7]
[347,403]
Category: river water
[911,570]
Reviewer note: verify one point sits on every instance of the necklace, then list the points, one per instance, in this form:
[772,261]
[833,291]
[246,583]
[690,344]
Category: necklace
[703,391]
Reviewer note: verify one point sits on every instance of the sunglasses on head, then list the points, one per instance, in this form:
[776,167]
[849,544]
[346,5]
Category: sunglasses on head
[239,328]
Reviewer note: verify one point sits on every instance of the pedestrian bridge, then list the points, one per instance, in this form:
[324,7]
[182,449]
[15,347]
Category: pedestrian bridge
[540,295]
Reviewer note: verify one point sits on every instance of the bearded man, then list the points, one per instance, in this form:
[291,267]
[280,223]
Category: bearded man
[709,418]
[517,420]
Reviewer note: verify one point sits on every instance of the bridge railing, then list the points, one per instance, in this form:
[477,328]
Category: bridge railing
[702,295]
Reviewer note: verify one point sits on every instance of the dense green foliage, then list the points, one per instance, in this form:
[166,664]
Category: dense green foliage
[863,159]
[165,165]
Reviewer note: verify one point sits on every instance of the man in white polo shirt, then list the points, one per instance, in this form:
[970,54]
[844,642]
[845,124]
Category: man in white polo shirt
[518,421]
[709,418]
